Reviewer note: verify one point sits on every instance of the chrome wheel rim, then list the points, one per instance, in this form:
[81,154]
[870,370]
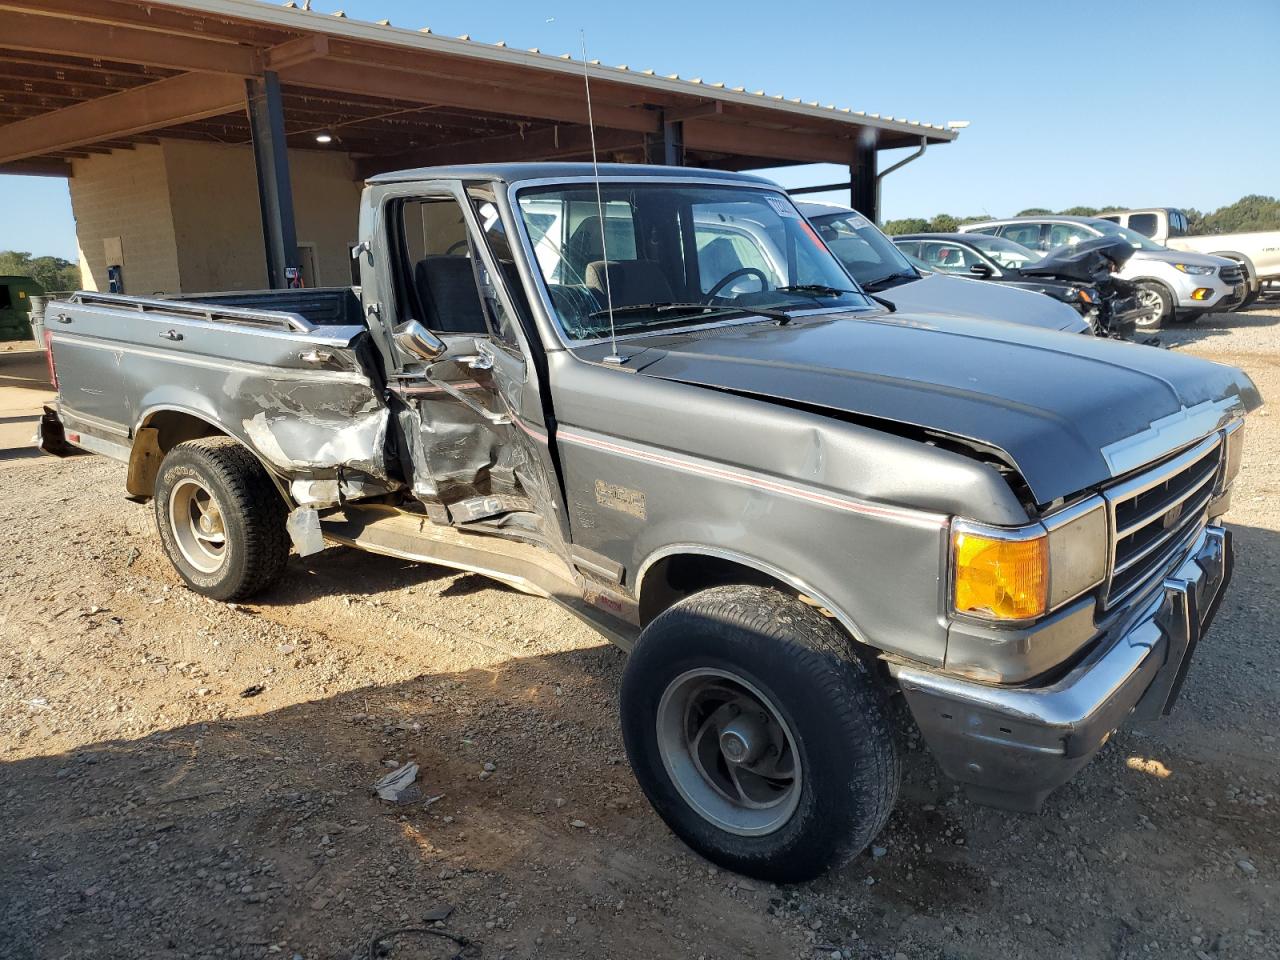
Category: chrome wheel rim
[729,752]
[196,521]
[1150,300]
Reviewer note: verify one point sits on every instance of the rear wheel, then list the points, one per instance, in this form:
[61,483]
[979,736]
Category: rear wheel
[757,735]
[221,519]
[1156,305]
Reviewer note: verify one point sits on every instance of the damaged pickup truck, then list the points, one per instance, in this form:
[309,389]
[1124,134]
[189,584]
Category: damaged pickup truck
[657,398]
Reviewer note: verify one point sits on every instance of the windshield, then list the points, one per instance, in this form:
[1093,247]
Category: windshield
[677,254]
[1109,229]
[865,252]
[1004,252]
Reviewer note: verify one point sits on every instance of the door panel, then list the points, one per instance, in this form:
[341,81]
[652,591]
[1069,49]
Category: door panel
[472,419]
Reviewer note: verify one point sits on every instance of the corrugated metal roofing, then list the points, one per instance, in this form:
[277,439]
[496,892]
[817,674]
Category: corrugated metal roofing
[292,16]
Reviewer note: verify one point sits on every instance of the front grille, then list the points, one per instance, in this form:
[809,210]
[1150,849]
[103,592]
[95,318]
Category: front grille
[1156,515]
[1231,275]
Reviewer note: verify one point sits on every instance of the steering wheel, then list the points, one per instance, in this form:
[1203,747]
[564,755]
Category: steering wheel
[456,245]
[728,278]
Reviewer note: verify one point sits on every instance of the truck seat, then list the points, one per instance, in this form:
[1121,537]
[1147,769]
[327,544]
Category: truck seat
[629,282]
[447,288]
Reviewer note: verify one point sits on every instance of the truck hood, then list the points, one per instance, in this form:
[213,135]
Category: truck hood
[946,296]
[1068,412]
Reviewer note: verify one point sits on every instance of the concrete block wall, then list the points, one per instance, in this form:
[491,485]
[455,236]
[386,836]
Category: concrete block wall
[188,219]
[125,195]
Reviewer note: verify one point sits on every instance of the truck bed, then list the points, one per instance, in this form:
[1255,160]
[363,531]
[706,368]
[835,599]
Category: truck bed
[321,306]
[290,373]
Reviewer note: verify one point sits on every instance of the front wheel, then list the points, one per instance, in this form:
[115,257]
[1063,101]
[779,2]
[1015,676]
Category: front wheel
[1156,305]
[221,520]
[756,734]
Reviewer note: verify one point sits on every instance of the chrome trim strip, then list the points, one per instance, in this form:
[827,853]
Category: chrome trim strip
[1165,507]
[200,310]
[1192,535]
[1169,433]
[1162,472]
[1155,545]
[650,455]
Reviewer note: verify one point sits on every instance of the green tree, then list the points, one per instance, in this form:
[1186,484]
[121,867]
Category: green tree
[1254,212]
[896,228]
[944,223]
[52,273]
[1033,212]
[1079,212]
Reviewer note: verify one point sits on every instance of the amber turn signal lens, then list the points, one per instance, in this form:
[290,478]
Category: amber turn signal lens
[1000,579]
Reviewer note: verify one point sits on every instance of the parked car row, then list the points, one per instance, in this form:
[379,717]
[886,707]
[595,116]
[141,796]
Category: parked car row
[1172,284]
[1257,252]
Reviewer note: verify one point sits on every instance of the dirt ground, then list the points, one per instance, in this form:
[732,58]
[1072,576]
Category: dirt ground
[185,778]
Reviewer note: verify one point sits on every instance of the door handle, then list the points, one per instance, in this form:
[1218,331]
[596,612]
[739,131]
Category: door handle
[62,318]
[171,335]
[315,356]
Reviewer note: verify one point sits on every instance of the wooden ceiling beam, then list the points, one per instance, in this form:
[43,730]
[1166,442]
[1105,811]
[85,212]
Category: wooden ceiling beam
[37,167]
[555,83]
[494,97]
[546,144]
[92,67]
[191,96]
[716,136]
[43,34]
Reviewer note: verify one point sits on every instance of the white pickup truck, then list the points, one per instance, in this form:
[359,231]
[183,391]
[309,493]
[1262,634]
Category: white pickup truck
[1258,252]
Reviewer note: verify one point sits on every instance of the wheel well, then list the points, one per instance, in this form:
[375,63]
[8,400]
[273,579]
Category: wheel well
[160,433]
[673,578]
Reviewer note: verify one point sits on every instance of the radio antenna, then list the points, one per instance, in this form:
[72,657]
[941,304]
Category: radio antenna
[613,356]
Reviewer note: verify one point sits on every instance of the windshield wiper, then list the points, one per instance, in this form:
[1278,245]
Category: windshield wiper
[896,275]
[703,308]
[821,289]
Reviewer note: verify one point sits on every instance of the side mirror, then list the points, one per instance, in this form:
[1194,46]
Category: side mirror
[417,341]
[981,270]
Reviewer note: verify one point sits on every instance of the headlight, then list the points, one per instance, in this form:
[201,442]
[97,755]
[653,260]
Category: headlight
[1194,270]
[1007,574]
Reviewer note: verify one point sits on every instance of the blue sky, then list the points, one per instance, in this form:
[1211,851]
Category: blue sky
[1166,102]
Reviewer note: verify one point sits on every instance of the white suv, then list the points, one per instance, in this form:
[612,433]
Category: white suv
[1172,284]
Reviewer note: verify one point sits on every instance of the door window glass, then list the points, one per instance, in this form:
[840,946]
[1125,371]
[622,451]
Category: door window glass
[499,241]
[948,257]
[1027,234]
[1065,234]
[1144,223]
[436,281]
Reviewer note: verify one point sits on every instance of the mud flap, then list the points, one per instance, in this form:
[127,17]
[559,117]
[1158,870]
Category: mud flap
[52,439]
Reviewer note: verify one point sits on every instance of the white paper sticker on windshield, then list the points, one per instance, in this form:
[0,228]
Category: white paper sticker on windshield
[857,221]
[780,206]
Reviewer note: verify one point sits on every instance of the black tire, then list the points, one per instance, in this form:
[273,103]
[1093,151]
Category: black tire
[248,508]
[1249,300]
[835,710]
[1151,289]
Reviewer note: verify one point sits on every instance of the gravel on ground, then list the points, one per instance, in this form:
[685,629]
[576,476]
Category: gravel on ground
[181,778]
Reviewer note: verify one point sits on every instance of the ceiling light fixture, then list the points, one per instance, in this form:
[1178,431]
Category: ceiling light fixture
[324,136]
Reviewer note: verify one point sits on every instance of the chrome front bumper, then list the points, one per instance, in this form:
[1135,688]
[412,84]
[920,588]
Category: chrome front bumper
[1011,746]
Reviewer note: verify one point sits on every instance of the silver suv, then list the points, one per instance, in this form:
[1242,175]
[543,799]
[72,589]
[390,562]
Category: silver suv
[1172,284]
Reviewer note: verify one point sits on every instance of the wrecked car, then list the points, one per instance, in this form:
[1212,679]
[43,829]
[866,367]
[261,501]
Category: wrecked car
[655,396]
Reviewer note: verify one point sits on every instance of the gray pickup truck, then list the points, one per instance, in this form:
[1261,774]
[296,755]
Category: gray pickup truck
[657,398]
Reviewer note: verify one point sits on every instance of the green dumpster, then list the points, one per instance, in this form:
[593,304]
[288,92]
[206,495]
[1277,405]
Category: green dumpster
[15,306]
